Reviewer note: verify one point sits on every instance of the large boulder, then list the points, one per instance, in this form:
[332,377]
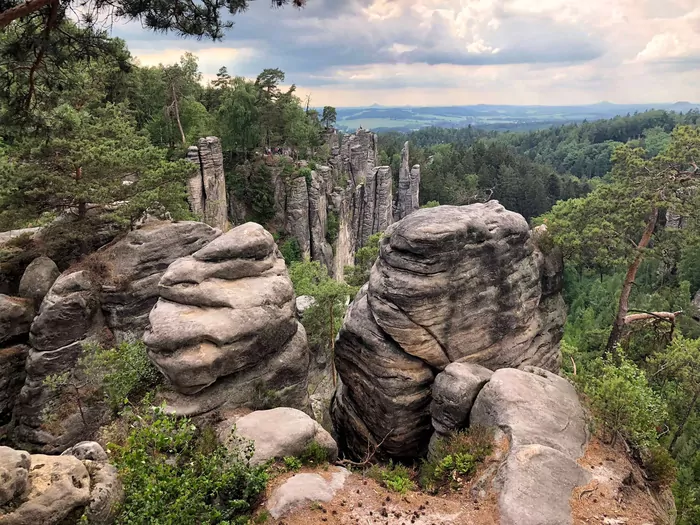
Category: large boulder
[37,279]
[53,490]
[16,315]
[277,433]
[543,418]
[136,264]
[226,317]
[69,317]
[454,392]
[450,284]
[303,490]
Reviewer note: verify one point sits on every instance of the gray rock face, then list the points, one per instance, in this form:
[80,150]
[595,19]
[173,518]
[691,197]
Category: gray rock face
[298,214]
[69,316]
[454,392]
[207,189]
[541,414]
[278,433]
[37,279]
[407,199]
[228,312]
[51,489]
[138,261]
[12,376]
[304,489]
[87,450]
[16,315]
[451,284]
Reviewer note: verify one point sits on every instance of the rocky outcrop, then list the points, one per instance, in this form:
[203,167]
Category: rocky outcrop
[451,284]
[136,264]
[16,315]
[276,434]
[541,414]
[297,215]
[207,187]
[37,279]
[56,489]
[225,327]
[12,377]
[407,200]
[305,489]
[70,316]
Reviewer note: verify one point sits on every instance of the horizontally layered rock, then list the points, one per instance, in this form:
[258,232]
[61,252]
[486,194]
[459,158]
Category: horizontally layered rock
[207,187]
[409,186]
[136,264]
[224,330]
[451,284]
[69,317]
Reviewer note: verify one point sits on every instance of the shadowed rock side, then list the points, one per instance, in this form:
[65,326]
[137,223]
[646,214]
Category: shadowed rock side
[407,199]
[207,186]
[224,329]
[451,284]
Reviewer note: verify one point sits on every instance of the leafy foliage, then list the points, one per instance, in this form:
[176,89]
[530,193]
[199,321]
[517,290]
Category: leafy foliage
[172,474]
[394,476]
[365,258]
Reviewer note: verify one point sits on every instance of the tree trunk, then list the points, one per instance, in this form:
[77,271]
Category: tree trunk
[27,8]
[681,425]
[623,305]
[177,118]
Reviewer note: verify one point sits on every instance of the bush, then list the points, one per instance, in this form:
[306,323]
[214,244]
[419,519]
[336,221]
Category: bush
[659,466]
[395,477]
[623,403]
[173,474]
[431,204]
[292,464]
[291,251]
[314,454]
[456,458]
[332,227]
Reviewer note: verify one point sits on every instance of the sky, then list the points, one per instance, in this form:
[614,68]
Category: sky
[457,52]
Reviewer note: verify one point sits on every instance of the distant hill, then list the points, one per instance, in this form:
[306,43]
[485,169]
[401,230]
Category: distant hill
[486,116]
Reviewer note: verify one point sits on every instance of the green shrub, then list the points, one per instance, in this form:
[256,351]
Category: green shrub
[431,204]
[395,477]
[456,458]
[332,227]
[314,454]
[659,466]
[306,173]
[172,474]
[292,464]
[623,403]
[291,251]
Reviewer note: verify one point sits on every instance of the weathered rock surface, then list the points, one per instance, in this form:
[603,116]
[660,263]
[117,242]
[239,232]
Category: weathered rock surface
[407,200]
[12,377]
[226,317]
[451,284]
[541,414]
[454,392]
[137,262]
[70,315]
[16,315]
[278,433]
[297,215]
[207,189]
[37,279]
[56,489]
[304,489]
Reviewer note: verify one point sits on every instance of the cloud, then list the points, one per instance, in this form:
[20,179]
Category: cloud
[500,50]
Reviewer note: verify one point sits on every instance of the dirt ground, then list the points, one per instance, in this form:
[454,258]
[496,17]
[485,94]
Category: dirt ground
[617,494]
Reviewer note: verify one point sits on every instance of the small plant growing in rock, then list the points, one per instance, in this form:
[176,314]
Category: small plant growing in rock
[314,454]
[456,459]
[395,477]
[292,464]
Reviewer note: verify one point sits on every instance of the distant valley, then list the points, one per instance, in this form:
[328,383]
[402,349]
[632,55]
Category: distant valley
[490,117]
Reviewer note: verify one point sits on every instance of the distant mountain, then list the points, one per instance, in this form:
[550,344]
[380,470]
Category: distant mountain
[489,116]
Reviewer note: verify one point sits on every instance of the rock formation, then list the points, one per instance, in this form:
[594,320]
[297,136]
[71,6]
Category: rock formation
[58,489]
[303,490]
[12,376]
[207,187]
[37,279]
[352,196]
[277,433]
[542,417]
[70,316]
[407,200]
[136,264]
[225,329]
[451,284]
